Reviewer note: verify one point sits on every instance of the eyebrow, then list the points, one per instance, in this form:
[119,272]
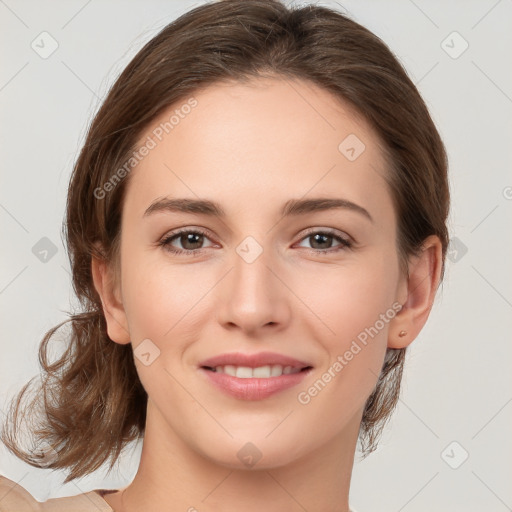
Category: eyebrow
[292,207]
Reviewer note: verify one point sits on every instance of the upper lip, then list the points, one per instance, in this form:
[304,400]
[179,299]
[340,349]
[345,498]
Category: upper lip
[253,360]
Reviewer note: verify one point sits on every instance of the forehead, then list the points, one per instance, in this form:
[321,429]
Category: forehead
[269,137]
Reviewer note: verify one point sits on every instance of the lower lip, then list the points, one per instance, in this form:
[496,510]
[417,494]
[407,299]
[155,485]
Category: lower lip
[254,388]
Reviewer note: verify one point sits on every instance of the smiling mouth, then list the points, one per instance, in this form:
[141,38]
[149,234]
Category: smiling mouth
[261,372]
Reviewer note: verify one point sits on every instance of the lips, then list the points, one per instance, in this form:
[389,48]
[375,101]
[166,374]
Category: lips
[254,376]
[254,360]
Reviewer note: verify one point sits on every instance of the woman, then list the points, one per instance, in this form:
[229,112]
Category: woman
[257,229]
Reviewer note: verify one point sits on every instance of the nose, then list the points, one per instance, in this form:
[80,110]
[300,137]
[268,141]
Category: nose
[253,296]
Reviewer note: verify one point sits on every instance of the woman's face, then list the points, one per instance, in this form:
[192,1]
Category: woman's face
[318,286]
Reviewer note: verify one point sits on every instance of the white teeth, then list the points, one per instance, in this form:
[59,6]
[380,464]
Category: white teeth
[244,372]
[276,371]
[229,369]
[261,372]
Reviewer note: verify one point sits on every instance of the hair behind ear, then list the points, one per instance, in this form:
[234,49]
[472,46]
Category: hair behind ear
[382,400]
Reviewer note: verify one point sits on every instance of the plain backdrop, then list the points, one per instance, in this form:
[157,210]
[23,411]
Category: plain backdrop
[448,445]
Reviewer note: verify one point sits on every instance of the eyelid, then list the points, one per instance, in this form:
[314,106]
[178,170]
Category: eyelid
[190,229]
[328,231]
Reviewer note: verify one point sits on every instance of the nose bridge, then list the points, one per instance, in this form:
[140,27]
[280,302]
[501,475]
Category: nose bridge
[252,296]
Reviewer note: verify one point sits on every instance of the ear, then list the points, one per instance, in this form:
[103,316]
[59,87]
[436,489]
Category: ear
[109,291]
[417,293]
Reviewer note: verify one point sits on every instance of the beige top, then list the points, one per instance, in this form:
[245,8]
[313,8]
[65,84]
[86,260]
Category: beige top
[14,498]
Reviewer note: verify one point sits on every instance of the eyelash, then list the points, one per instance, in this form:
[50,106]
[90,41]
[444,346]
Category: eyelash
[166,241]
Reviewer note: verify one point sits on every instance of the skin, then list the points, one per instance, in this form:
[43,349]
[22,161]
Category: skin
[252,147]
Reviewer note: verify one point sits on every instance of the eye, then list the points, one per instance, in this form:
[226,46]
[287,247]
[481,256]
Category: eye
[191,241]
[321,241]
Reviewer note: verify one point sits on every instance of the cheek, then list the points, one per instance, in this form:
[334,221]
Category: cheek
[347,300]
[354,309]
[158,297]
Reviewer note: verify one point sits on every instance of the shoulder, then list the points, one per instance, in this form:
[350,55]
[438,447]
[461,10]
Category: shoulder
[14,498]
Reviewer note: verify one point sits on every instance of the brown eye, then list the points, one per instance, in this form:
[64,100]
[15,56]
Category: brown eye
[191,241]
[322,242]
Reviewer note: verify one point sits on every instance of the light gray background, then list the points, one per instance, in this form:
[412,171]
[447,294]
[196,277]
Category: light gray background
[456,385]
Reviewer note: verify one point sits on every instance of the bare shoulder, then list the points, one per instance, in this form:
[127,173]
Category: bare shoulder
[15,498]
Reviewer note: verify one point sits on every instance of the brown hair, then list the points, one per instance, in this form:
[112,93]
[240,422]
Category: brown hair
[93,401]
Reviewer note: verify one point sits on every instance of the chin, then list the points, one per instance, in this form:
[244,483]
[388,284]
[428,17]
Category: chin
[237,454]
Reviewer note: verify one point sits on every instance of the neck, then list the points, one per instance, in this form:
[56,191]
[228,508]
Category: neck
[173,477]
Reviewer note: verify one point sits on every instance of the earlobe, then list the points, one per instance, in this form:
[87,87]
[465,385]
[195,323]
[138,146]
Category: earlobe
[422,284]
[117,326]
